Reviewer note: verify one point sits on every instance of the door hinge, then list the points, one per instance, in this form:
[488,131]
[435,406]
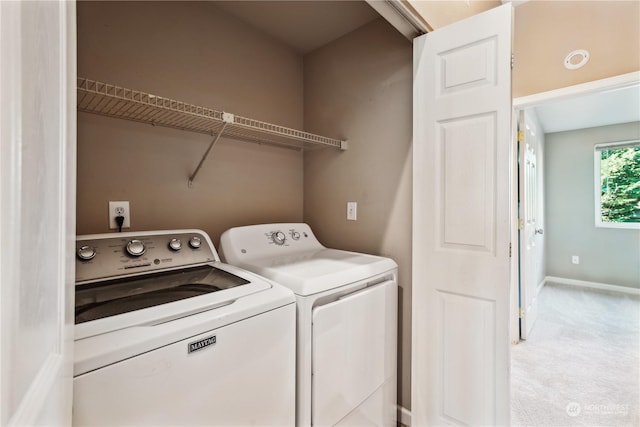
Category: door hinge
[521,224]
[509,250]
[520,135]
[521,313]
[513,60]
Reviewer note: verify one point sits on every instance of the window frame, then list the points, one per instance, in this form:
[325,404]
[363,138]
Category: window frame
[597,157]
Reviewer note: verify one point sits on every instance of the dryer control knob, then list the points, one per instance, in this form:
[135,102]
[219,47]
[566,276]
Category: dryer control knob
[135,247]
[295,235]
[278,238]
[175,244]
[86,253]
[195,242]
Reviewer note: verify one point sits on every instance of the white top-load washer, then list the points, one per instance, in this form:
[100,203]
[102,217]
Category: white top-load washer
[347,317]
[166,334]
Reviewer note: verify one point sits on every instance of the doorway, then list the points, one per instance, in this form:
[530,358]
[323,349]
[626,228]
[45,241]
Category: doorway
[569,367]
[590,105]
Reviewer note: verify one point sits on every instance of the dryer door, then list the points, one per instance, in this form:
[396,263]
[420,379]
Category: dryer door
[354,354]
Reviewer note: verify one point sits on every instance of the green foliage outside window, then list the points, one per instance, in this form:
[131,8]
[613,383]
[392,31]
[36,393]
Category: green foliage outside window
[620,184]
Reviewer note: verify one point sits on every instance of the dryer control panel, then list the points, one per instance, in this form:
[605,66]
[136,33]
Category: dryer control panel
[268,240]
[287,236]
[102,256]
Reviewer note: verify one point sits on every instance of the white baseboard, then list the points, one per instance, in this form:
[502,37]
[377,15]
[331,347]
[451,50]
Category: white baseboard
[541,285]
[404,416]
[593,285]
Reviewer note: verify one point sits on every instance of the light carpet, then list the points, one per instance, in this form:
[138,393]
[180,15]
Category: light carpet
[581,363]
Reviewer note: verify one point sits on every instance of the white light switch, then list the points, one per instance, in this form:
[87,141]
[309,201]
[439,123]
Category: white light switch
[575,259]
[352,211]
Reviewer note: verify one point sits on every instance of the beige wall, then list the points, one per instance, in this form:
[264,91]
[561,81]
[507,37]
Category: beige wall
[361,87]
[193,52]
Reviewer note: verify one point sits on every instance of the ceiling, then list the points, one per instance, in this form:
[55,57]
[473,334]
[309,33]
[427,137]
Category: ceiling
[305,26]
[621,105]
[302,25]
[546,31]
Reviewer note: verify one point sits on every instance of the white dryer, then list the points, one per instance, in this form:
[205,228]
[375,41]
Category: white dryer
[346,323]
[166,334]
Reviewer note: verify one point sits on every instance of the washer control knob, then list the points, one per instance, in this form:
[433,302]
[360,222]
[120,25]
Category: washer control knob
[278,238]
[175,245]
[86,253]
[195,242]
[135,247]
[295,235]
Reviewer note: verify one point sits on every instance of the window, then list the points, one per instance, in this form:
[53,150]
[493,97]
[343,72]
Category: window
[617,184]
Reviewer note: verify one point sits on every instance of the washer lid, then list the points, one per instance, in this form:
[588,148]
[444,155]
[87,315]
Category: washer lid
[113,297]
[313,271]
[149,300]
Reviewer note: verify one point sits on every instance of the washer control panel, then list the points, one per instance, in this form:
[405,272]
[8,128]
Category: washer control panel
[102,256]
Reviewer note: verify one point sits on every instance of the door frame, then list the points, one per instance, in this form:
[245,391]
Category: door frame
[529,101]
[37,390]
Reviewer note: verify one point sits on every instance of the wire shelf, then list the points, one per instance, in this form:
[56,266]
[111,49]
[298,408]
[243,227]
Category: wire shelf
[115,101]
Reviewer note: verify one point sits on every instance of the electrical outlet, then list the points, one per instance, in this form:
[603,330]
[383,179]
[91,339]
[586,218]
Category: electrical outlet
[119,209]
[575,259]
[352,211]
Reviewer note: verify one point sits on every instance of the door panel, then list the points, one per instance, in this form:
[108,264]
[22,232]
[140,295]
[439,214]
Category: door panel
[466,322]
[461,222]
[468,66]
[466,192]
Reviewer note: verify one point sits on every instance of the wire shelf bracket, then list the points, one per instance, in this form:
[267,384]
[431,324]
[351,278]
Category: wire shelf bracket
[114,101]
[206,153]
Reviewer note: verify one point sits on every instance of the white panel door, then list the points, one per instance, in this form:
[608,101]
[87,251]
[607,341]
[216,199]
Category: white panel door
[37,211]
[528,217]
[461,222]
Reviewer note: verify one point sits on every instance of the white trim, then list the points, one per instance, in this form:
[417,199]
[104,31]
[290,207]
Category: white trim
[514,305]
[10,188]
[402,17]
[541,285]
[404,416]
[627,143]
[38,392]
[515,3]
[624,80]
[619,225]
[593,285]
[597,189]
